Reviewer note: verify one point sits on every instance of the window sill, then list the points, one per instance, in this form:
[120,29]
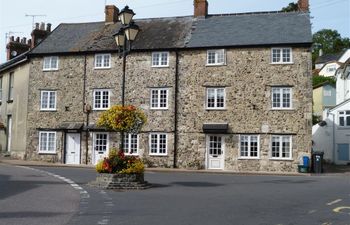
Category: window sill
[131,154]
[216,65]
[48,110]
[282,63]
[102,68]
[158,154]
[281,159]
[282,109]
[9,101]
[216,109]
[159,109]
[165,66]
[248,158]
[47,153]
[101,109]
[49,70]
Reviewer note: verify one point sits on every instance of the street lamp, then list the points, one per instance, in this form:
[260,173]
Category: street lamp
[123,37]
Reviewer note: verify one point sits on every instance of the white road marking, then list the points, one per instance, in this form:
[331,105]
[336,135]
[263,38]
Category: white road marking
[340,209]
[312,211]
[334,202]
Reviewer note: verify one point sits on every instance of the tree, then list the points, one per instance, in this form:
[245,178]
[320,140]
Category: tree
[292,7]
[329,41]
[316,80]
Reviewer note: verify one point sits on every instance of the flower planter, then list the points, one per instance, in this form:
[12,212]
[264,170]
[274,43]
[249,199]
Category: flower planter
[120,181]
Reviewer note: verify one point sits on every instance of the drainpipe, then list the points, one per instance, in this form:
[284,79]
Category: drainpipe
[87,111]
[176,108]
[333,153]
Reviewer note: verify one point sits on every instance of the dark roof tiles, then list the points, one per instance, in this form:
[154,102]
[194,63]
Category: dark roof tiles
[184,32]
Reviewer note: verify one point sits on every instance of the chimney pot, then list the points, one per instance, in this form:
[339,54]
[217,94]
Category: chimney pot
[24,40]
[12,38]
[17,39]
[48,27]
[37,26]
[42,26]
[111,12]
[29,42]
[200,8]
[303,5]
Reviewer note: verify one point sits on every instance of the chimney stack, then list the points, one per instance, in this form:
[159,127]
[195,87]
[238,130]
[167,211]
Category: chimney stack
[111,12]
[16,47]
[303,5]
[39,33]
[200,8]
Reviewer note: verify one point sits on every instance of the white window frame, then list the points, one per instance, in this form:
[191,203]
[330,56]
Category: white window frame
[158,144]
[280,147]
[281,58]
[127,144]
[48,100]
[216,98]
[47,151]
[327,93]
[94,141]
[103,61]
[159,98]
[158,62]
[101,100]
[281,107]
[216,52]
[50,66]
[249,147]
[343,114]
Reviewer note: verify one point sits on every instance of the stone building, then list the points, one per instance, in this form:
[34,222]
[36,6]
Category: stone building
[228,92]
[14,81]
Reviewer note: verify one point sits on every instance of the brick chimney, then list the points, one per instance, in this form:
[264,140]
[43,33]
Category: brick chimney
[200,8]
[303,5]
[39,33]
[111,12]
[17,46]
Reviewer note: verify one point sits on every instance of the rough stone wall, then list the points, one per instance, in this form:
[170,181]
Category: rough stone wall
[247,77]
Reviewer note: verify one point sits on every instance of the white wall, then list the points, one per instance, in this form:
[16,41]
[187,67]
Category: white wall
[329,69]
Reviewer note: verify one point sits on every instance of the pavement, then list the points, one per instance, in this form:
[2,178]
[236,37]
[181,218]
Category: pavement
[328,168]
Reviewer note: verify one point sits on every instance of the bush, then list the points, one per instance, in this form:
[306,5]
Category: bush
[117,162]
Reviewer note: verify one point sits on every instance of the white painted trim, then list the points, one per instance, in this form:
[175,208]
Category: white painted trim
[48,102]
[215,101]
[158,142]
[103,61]
[223,150]
[280,148]
[129,143]
[101,101]
[160,59]
[40,151]
[158,102]
[217,51]
[281,56]
[94,145]
[249,150]
[50,68]
[281,98]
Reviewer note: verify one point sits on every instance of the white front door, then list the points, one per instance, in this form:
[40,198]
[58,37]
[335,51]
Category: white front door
[101,145]
[72,148]
[215,152]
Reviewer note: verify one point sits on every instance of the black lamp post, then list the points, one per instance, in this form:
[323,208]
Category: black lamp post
[126,34]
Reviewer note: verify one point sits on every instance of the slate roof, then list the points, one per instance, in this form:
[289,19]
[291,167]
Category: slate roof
[328,58]
[229,30]
[18,59]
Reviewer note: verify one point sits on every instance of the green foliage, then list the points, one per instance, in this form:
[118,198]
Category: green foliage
[330,41]
[316,80]
[315,119]
[292,7]
[117,162]
[123,119]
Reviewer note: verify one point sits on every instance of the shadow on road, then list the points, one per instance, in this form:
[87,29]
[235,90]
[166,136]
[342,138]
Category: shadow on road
[28,214]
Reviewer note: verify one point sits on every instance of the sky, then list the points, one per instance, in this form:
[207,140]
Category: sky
[326,14]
